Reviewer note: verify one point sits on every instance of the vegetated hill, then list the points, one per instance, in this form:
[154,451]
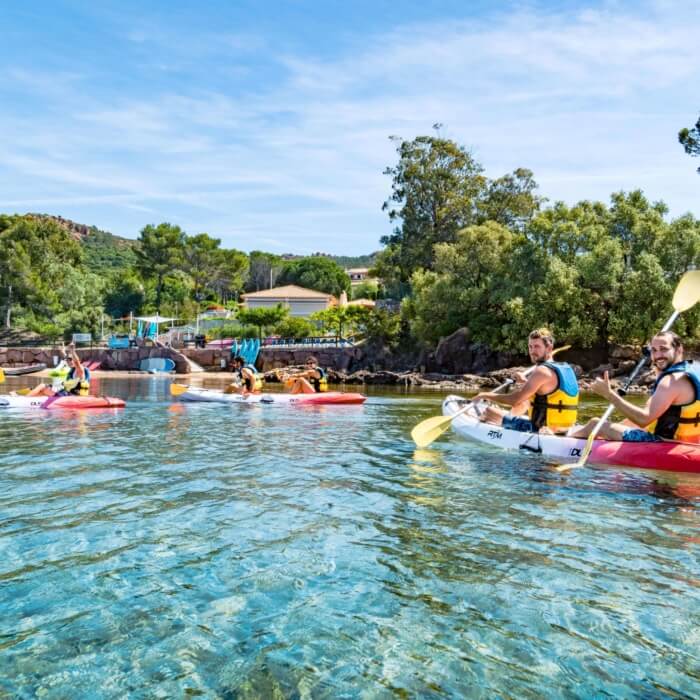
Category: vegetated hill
[348,261]
[103,250]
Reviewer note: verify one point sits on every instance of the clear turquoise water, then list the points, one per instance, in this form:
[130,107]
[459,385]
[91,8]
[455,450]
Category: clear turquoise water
[175,550]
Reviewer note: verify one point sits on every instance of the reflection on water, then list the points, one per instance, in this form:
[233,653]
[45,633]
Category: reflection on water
[252,551]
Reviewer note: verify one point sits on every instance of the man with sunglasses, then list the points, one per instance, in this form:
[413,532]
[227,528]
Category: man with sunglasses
[310,380]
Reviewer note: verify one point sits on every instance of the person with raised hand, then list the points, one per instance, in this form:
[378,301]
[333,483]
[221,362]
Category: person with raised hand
[673,410]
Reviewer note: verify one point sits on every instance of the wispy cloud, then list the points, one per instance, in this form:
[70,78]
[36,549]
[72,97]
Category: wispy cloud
[590,100]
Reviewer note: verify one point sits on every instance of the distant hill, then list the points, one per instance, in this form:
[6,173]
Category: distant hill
[103,250]
[347,261]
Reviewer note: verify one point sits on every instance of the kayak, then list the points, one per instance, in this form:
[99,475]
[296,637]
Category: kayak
[65,402]
[666,456]
[27,369]
[322,398]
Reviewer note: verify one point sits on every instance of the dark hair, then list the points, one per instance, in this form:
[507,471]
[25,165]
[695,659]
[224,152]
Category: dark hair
[543,334]
[676,341]
[238,358]
[310,358]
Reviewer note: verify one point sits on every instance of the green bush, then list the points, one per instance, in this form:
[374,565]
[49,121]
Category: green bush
[294,327]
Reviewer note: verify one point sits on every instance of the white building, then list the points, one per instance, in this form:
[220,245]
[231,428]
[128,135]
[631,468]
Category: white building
[301,302]
[357,275]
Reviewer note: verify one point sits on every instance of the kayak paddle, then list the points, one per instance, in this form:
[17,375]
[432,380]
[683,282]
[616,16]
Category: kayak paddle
[2,375]
[431,429]
[177,389]
[687,294]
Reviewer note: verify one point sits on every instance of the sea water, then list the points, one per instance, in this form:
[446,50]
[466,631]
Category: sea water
[172,550]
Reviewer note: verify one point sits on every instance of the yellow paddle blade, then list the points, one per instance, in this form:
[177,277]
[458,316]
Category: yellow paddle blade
[430,429]
[2,375]
[23,392]
[688,291]
[177,389]
[582,459]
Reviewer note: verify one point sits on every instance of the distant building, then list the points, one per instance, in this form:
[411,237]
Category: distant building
[357,275]
[301,302]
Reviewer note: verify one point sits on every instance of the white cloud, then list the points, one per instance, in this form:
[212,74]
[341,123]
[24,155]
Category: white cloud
[590,101]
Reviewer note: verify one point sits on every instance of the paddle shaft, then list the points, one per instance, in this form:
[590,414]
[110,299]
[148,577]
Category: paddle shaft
[628,383]
[508,382]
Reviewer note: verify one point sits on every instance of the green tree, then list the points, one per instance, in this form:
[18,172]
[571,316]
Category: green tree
[339,319]
[124,293]
[467,286]
[264,269]
[510,200]
[295,327]
[231,273]
[160,253]
[35,254]
[690,140]
[202,261]
[436,187]
[368,289]
[638,224]
[316,272]
[263,317]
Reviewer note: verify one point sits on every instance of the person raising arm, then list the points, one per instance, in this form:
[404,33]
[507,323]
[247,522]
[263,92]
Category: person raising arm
[672,412]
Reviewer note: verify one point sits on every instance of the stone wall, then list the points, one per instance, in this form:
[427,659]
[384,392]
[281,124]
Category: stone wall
[109,359]
[341,359]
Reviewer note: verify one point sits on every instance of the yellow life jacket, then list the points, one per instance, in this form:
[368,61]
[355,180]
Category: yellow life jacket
[680,422]
[558,409]
[259,379]
[320,384]
[79,387]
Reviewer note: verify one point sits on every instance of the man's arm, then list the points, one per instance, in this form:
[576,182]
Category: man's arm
[79,369]
[525,393]
[661,400]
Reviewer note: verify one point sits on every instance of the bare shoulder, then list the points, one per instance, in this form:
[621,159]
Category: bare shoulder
[543,372]
[674,383]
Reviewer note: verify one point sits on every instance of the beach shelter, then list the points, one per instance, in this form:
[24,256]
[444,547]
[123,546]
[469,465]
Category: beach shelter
[152,323]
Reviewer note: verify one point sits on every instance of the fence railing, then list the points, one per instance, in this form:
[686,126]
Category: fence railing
[318,342]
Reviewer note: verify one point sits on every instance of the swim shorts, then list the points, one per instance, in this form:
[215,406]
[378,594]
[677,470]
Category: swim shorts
[523,425]
[639,435]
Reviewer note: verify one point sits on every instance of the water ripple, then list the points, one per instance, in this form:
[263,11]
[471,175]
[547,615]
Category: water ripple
[253,551]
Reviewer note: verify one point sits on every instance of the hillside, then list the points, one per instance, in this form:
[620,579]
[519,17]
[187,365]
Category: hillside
[103,250]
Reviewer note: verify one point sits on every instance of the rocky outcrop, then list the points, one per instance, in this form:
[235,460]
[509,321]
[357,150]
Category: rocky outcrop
[341,359]
[456,354]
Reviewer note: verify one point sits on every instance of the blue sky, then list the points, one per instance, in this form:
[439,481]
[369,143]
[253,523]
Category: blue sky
[266,124]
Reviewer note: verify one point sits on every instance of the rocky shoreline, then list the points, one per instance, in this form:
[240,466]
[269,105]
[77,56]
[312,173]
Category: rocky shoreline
[472,383]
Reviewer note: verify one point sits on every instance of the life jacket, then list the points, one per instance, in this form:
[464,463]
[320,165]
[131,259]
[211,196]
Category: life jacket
[320,384]
[257,378]
[558,409]
[680,422]
[79,387]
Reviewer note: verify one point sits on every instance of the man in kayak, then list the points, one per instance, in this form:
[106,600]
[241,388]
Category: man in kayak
[672,412]
[247,376]
[311,380]
[550,393]
[77,380]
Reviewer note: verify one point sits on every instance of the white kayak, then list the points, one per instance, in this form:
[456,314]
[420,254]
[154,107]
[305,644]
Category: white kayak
[669,456]
[217,396]
[69,402]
